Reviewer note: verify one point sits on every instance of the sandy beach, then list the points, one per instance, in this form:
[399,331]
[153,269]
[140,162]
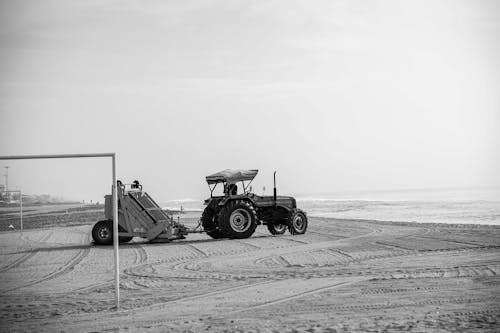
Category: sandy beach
[342,275]
[372,124]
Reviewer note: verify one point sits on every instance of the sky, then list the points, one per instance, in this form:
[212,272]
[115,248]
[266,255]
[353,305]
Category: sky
[334,95]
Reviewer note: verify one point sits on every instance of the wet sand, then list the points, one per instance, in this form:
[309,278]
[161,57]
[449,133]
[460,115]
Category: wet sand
[342,275]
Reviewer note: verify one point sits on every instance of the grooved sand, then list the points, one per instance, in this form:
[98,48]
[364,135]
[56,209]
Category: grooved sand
[343,275]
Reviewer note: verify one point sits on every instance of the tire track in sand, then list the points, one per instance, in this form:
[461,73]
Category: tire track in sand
[184,269]
[153,315]
[289,238]
[193,266]
[255,247]
[142,314]
[197,250]
[295,296]
[330,308]
[66,268]
[141,256]
[25,256]
[188,266]
[62,270]
[145,270]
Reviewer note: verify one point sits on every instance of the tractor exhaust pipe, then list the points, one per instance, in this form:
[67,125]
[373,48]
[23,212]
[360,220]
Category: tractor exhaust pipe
[275,189]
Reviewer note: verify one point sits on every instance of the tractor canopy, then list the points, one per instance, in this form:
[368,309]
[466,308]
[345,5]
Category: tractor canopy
[231,176]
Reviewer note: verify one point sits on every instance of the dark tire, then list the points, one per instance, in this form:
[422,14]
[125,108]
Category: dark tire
[298,222]
[276,229]
[237,219]
[209,223]
[102,233]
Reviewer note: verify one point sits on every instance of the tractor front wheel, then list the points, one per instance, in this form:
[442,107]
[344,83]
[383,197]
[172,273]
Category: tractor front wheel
[276,229]
[237,219]
[298,222]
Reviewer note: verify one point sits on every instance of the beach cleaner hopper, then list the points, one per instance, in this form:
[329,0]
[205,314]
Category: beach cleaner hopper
[138,216]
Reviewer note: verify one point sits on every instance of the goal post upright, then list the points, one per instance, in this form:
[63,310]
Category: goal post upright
[115,204]
[115,233]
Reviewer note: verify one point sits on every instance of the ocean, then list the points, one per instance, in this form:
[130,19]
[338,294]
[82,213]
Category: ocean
[458,206]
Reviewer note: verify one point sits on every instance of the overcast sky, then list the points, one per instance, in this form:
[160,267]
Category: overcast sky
[335,95]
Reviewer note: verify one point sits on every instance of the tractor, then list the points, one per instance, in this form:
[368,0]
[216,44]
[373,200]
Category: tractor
[236,214]
[231,215]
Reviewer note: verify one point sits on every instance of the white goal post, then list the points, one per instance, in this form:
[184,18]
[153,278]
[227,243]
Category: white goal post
[115,204]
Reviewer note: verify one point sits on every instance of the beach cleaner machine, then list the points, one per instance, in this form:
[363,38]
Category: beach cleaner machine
[138,216]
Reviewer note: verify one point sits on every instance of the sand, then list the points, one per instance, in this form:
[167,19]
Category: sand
[343,275]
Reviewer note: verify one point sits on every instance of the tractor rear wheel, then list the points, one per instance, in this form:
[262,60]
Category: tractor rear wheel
[298,222]
[276,229]
[102,232]
[238,219]
[209,225]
